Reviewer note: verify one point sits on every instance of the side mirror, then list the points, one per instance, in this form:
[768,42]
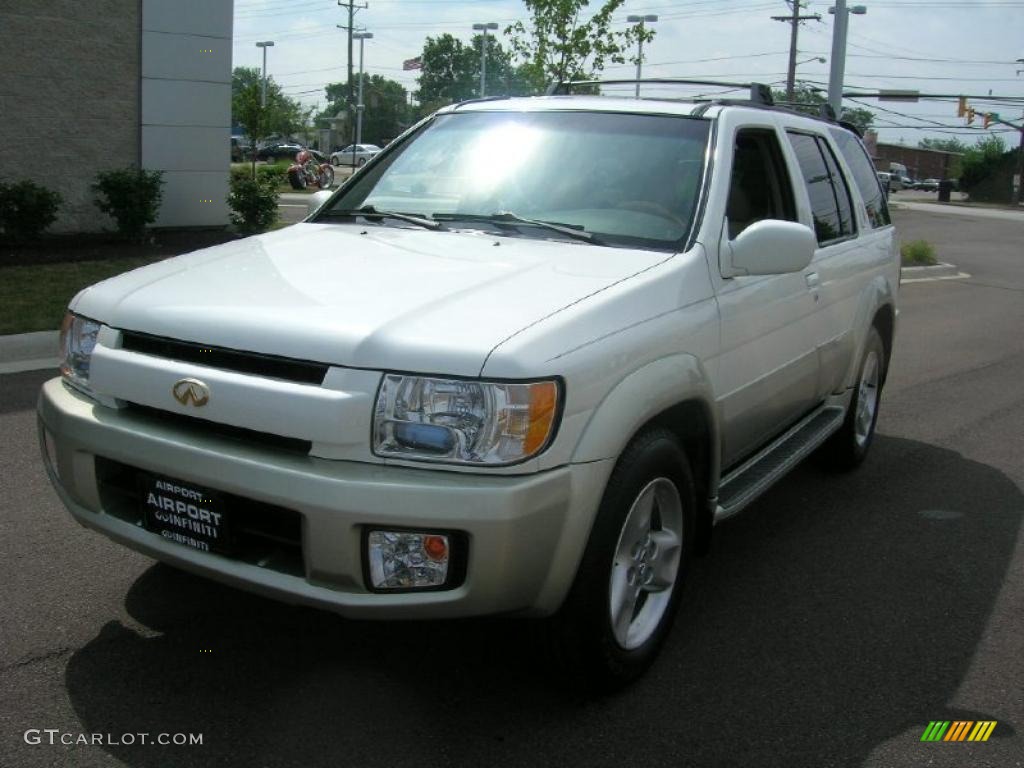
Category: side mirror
[771,247]
[316,200]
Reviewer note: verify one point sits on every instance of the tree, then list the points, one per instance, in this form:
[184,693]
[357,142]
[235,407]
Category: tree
[986,170]
[282,114]
[944,145]
[387,110]
[451,71]
[809,99]
[558,44]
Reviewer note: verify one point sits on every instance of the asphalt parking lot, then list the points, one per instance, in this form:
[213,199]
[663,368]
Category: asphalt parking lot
[832,621]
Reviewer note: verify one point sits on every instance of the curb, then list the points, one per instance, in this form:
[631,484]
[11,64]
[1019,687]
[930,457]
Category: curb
[940,271]
[28,352]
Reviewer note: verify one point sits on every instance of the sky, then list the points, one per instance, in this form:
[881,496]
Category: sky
[932,46]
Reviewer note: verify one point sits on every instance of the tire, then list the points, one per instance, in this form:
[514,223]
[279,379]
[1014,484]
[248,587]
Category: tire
[362,161]
[622,555]
[326,177]
[848,447]
[335,161]
[297,179]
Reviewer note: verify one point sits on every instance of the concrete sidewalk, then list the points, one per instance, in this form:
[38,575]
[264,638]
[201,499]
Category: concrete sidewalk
[29,352]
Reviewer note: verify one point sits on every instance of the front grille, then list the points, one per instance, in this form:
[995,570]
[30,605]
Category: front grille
[263,534]
[202,427]
[299,371]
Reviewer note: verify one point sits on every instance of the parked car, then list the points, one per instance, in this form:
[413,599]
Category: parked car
[503,375]
[283,151]
[928,185]
[359,154]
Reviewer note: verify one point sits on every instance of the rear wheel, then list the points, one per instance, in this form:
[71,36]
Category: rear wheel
[362,161]
[626,592]
[335,161]
[848,447]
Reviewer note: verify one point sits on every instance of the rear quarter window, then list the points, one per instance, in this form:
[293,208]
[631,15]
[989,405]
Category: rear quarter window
[826,189]
[864,176]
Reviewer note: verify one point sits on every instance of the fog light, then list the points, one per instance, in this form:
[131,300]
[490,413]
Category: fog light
[407,559]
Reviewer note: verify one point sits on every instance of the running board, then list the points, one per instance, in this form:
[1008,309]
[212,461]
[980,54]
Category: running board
[759,473]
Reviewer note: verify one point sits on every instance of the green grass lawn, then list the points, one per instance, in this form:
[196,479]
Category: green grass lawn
[33,298]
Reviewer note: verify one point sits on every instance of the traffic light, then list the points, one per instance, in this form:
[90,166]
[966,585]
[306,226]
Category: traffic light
[970,115]
[961,108]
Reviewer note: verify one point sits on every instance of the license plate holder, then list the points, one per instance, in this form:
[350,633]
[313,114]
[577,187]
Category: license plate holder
[184,513]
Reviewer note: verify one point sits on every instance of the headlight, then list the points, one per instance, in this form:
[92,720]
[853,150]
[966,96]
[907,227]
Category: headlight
[77,340]
[463,422]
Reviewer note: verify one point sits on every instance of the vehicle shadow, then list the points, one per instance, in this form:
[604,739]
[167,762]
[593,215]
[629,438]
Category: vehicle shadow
[838,613]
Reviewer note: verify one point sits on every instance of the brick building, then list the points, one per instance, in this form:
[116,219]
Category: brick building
[921,163]
[91,86]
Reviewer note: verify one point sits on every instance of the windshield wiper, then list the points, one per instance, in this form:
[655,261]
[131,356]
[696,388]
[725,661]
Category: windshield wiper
[507,217]
[368,211]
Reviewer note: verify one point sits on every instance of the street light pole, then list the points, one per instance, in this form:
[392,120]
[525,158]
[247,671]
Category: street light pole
[483,53]
[838,71]
[360,106]
[264,44]
[633,19]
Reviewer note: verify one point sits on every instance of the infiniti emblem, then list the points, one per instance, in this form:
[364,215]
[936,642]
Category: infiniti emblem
[191,391]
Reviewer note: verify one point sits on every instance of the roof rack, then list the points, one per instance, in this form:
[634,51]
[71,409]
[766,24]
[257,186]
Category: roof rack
[760,93]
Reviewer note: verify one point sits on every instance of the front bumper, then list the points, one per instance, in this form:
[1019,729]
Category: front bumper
[525,533]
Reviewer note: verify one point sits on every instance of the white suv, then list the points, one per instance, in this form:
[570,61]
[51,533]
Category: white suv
[520,363]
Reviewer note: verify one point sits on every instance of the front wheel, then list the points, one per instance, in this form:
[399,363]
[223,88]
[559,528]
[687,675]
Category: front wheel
[297,178]
[626,592]
[325,179]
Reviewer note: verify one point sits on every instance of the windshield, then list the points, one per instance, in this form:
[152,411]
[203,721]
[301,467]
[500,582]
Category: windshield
[628,179]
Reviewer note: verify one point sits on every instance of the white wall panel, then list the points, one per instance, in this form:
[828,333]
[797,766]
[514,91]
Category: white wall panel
[185,148]
[185,102]
[186,57]
[186,106]
[194,199]
[212,18]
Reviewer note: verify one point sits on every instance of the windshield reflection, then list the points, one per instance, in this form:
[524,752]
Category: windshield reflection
[629,179]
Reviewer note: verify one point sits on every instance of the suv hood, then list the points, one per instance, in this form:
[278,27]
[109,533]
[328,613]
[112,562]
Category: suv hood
[362,296]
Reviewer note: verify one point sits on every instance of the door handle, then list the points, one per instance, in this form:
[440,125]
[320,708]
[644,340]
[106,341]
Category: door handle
[812,279]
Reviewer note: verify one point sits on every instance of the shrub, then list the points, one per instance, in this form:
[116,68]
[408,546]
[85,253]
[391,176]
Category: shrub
[26,209]
[254,202]
[278,172]
[918,253]
[131,196]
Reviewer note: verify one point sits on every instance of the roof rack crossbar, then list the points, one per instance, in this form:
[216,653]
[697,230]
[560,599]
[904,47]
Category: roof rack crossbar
[759,92]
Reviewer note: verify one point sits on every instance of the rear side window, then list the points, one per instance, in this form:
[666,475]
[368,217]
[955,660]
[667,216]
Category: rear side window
[864,177]
[830,199]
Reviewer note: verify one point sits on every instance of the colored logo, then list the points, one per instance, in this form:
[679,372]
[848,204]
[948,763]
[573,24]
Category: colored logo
[958,730]
[191,391]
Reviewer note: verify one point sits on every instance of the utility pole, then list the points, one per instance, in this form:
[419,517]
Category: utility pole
[263,88]
[641,20]
[483,53]
[794,20]
[352,6]
[360,107]
[838,60]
